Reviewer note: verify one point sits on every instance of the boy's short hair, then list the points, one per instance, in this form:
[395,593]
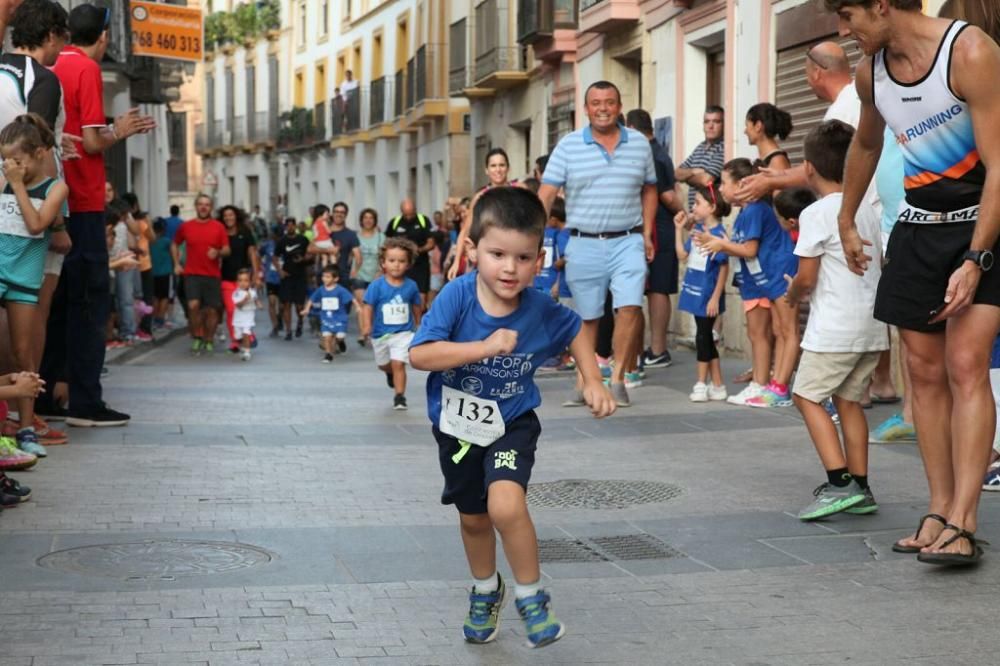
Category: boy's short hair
[175,210]
[790,202]
[159,226]
[826,149]
[319,210]
[397,243]
[739,168]
[333,270]
[243,271]
[34,20]
[531,184]
[558,209]
[905,5]
[513,208]
[87,23]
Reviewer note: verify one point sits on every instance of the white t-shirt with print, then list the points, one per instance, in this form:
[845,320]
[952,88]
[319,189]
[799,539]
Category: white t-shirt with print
[243,316]
[841,307]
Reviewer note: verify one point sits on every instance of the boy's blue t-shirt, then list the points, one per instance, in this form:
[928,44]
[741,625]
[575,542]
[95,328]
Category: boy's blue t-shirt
[333,305]
[548,275]
[764,275]
[702,275]
[995,357]
[159,254]
[562,240]
[392,306]
[544,329]
[271,274]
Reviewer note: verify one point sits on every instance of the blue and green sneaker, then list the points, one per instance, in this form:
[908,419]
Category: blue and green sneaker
[831,499]
[483,622]
[869,505]
[540,623]
[893,429]
[196,346]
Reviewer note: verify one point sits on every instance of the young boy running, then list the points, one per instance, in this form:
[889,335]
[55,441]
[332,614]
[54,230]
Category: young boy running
[334,303]
[842,341]
[391,314]
[482,341]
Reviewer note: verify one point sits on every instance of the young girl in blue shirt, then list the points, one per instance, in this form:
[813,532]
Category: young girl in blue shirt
[703,291]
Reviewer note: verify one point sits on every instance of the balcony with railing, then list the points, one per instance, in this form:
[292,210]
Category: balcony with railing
[319,120]
[296,129]
[262,128]
[458,79]
[608,15]
[425,95]
[399,94]
[547,25]
[377,100]
[239,130]
[221,136]
[354,104]
[201,144]
[498,59]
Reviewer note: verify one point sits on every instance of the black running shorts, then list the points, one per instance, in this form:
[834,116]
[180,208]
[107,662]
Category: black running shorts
[919,261]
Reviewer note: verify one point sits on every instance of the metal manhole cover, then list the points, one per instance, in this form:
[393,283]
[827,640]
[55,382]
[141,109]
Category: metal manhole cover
[156,559]
[604,494]
[636,547]
[567,550]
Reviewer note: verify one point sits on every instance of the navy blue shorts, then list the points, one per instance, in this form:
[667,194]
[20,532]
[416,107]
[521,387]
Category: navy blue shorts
[510,458]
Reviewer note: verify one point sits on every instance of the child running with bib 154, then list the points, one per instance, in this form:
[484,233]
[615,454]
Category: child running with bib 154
[487,333]
[334,303]
[703,293]
[391,314]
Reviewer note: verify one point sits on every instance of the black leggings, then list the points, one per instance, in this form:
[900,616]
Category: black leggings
[704,343]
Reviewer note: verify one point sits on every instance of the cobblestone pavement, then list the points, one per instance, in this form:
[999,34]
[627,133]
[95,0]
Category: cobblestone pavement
[280,512]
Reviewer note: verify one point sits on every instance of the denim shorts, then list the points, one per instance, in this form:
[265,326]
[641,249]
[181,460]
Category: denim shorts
[594,265]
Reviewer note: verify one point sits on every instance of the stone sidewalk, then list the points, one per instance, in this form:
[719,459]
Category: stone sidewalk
[280,512]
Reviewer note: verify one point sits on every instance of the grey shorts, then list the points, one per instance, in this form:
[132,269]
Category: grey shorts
[822,375]
[204,289]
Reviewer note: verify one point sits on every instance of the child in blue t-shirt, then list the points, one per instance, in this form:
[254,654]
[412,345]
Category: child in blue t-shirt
[766,256]
[334,305]
[391,313]
[703,291]
[482,341]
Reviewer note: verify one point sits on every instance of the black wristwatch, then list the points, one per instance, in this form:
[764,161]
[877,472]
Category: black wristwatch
[982,258]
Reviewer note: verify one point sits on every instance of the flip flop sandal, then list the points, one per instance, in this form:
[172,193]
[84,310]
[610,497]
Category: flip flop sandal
[743,377]
[954,559]
[910,550]
[879,400]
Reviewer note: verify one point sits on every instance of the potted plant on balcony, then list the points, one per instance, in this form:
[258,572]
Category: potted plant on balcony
[269,18]
[245,24]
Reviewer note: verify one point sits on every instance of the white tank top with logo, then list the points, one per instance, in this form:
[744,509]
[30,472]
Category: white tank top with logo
[944,175]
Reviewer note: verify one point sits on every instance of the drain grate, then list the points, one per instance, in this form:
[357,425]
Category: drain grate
[636,547]
[567,550]
[627,547]
[156,559]
[603,494]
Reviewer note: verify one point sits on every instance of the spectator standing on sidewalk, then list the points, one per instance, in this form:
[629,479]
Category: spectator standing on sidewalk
[704,165]
[609,178]
[663,269]
[416,228]
[81,305]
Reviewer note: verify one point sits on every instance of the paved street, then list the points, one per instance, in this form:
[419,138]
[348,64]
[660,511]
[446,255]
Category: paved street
[279,512]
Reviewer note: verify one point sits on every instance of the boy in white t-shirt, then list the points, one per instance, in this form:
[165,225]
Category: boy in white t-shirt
[246,302]
[841,346]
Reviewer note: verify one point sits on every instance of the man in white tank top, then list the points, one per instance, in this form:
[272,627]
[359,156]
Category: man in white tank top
[934,83]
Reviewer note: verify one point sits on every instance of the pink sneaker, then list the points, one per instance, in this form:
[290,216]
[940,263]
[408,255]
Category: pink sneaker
[771,396]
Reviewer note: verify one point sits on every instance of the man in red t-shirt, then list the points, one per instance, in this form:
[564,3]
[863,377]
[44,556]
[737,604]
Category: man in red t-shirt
[206,242]
[74,350]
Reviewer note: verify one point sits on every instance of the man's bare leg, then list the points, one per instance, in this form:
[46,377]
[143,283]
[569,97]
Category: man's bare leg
[626,341]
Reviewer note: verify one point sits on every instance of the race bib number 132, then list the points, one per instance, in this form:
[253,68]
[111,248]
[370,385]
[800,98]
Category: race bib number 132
[470,418]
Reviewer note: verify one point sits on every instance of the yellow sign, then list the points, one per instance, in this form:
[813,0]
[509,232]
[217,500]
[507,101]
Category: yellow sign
[167,31]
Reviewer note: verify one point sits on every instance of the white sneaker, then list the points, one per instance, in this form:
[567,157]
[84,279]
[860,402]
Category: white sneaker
[752,390]
[246,355]
[699,393]
[717,392]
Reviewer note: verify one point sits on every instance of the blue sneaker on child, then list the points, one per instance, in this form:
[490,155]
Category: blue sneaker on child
[541,625]
[483,622]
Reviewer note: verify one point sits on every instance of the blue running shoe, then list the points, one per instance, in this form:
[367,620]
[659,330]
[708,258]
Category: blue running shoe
[992,480]
[27,441]
[893,429]
[541,625]
[483,622]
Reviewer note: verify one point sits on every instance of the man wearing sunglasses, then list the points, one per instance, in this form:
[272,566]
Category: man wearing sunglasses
[80,310]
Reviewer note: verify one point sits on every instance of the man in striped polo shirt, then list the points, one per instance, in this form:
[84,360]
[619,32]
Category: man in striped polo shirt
[608,175]
[704,165]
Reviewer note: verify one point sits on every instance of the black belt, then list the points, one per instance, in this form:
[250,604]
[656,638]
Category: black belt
[607,234]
